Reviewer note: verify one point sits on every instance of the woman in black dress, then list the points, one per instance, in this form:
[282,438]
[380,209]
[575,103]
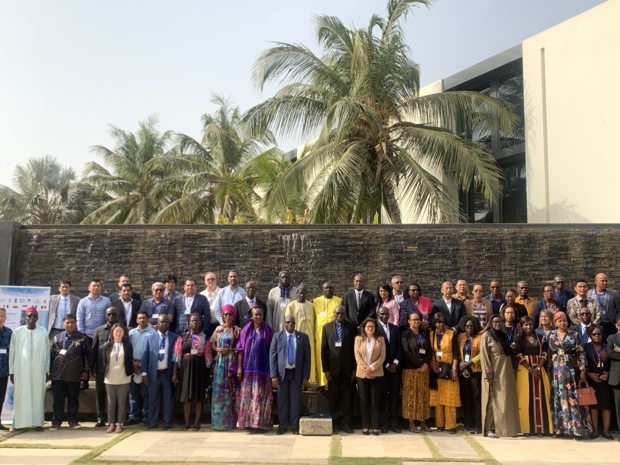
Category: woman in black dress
[192,356]
[598,374]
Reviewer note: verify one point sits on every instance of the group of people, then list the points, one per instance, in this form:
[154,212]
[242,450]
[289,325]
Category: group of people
[513,363]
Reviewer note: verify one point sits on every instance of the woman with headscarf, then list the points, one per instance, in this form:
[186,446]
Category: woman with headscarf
[569,365]
[255,395]
[192,355]
[532,382]
[500,414]
[224,393]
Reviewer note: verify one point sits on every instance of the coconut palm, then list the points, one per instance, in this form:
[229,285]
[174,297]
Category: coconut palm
[220,177]
[45,193]
[378,139]
[136,190]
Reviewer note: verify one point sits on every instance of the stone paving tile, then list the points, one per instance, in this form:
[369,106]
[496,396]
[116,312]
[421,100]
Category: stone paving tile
[39,456]
[453,446]
[535,451]
[63,437]
[358,445]
[385,445]
[441,463]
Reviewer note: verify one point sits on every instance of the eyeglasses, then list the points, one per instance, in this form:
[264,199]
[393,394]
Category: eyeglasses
[584,314]
[596,334]
[289,322]
[158,290]
[414,319]
[398,282]
[210,279]
[414,290]
[494,287]
[32,315]
[227,314]
[559,282]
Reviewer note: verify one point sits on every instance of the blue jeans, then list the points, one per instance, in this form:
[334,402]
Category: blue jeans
[138,401]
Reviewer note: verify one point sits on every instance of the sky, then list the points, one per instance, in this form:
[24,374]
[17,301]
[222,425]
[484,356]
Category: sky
[71,68]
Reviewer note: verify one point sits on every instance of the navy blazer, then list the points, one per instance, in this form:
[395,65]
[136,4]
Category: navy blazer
[151,353]
[278,354]
[199,305]
[393,349]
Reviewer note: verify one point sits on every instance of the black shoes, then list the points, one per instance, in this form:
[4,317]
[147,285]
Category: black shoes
[132,422]
[100,423]
[347,429]
[281,431]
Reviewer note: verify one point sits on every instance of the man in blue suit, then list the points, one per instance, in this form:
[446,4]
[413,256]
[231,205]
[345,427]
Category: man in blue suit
[157,371]
[289,363]
[390,391]
[188,303]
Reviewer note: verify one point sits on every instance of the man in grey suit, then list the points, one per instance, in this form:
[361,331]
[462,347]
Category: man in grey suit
[61,305]
[613,353]
[289,364]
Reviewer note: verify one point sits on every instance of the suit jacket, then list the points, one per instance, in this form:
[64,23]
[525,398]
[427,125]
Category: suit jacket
[100,339]
[151,353]
[367,306]
[165,308]
[122,318]
[54,301]
[199,305]
[377,356]
[540,306]
[278,355]
[488,308]
[578,330]
[452,317]
[614,371]
[412,359]
[393,347]
[117,296]
[243,310]
[334,359]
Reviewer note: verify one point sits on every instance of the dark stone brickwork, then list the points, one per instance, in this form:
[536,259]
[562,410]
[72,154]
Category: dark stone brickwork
[313,254]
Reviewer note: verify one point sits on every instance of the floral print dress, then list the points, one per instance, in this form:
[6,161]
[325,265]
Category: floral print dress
[567,360]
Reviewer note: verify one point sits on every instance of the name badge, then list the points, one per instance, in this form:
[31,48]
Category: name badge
[439,353]
[116,367]
[338,343]
[187,311]
[323,314]
[3,351]
[62,352]
[162,351]
[194,352]
[422,351]
[467,357]
[155,315]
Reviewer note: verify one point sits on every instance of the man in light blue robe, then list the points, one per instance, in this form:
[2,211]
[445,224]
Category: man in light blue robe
[29,364]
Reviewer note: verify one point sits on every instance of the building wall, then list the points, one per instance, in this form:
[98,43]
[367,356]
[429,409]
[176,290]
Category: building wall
[571,119]
[428,254]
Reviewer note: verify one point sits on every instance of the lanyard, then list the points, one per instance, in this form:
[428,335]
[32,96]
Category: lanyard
[467,347]
[66,339]
[439,338]
[511,333]
[117,350]
[600,297]
[599,362]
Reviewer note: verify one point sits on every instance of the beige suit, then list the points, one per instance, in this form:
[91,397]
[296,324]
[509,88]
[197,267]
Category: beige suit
[54,300]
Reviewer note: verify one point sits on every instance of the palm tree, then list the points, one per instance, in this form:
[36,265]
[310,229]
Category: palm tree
[46,193]
[377,138]
[220,176]
[135,189]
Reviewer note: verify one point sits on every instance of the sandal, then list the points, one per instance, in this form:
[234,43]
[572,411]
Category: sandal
[426,428]
[608,436]
[196,428]
[186,427]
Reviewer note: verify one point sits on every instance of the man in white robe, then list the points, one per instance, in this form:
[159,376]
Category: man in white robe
[29,364]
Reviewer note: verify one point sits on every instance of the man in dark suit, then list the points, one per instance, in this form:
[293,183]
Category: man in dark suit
[613,353]
[289,364]
[123,279]
[338,361]
[157,372]
[101,336]
[585,321]
[187,303]
[452,309]
[390,391]
[61,305]
[127,307]
[157,305]
[358,303]
[244,306]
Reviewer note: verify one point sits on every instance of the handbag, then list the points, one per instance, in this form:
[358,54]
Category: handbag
[445,369]
[586,395]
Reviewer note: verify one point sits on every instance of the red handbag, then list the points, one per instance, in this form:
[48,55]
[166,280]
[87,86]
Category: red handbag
[586,395]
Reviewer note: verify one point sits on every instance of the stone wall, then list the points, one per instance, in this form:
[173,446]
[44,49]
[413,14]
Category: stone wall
[313,254]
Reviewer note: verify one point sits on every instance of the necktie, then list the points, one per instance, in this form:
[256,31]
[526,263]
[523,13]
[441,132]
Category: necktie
[386,329]
[358,296]
[339,330]
[162,345]
[291,351]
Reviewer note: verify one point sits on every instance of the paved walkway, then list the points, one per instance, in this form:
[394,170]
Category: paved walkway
[90,445]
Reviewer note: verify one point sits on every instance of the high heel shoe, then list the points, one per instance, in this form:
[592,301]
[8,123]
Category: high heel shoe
[365,432]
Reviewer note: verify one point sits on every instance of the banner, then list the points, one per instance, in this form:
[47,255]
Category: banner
[16,299]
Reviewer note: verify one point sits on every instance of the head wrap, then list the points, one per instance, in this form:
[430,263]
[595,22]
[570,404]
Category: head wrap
[558,315]
[229,308]
[501,338]
[31,310]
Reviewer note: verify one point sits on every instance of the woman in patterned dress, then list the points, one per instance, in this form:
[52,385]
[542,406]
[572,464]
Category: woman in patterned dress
[569,368]
[224,393]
